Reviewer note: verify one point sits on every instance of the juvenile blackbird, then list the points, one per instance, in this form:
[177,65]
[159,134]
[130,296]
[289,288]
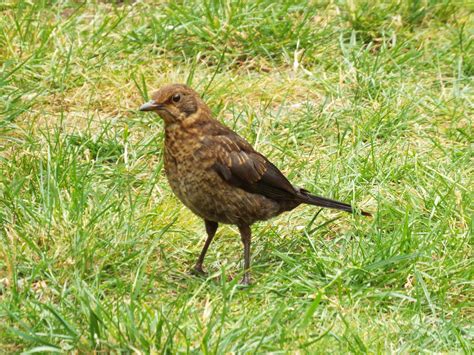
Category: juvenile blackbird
[217,174]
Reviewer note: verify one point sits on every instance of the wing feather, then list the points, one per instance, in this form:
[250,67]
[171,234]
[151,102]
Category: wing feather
[241,166]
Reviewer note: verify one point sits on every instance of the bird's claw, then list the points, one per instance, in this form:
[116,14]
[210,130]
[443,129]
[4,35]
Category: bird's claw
[197,270]
[245,280]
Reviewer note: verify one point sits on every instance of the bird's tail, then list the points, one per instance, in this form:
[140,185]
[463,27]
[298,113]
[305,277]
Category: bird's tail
[308,198]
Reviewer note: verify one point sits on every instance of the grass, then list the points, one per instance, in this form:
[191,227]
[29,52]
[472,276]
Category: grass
[363,101]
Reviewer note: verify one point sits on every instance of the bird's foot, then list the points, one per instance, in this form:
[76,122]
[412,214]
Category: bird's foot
[245,280]
[197,270]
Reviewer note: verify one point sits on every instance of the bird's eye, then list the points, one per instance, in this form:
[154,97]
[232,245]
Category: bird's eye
[176,97]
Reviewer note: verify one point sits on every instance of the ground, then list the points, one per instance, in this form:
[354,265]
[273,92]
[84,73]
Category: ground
[369,102]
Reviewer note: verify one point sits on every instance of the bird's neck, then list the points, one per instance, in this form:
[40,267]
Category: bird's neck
[188,124]
[184,138]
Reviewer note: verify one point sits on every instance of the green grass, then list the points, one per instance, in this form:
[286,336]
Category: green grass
[363,101]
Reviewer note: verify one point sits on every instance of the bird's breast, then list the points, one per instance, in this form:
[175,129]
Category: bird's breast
[184,170]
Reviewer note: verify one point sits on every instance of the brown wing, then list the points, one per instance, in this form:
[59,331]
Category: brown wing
[234,159]
[241,166]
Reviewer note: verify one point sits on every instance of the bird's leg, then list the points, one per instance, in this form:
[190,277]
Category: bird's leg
[211,228]
[245,234]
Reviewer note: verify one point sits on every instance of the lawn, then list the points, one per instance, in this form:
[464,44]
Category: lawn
[369,102]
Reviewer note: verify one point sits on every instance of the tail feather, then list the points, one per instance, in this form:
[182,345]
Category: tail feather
[308,198]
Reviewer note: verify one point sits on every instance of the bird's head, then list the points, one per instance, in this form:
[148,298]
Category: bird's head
[174,103]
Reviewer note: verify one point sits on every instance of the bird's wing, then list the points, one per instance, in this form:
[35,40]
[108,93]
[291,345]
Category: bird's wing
[241,166]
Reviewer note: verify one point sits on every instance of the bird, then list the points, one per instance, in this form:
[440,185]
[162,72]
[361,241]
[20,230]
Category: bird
[218,175]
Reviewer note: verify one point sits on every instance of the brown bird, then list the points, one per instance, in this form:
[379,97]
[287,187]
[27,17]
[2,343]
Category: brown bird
[218,175]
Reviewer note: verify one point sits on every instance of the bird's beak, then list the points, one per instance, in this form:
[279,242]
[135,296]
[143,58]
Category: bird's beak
[150,106]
